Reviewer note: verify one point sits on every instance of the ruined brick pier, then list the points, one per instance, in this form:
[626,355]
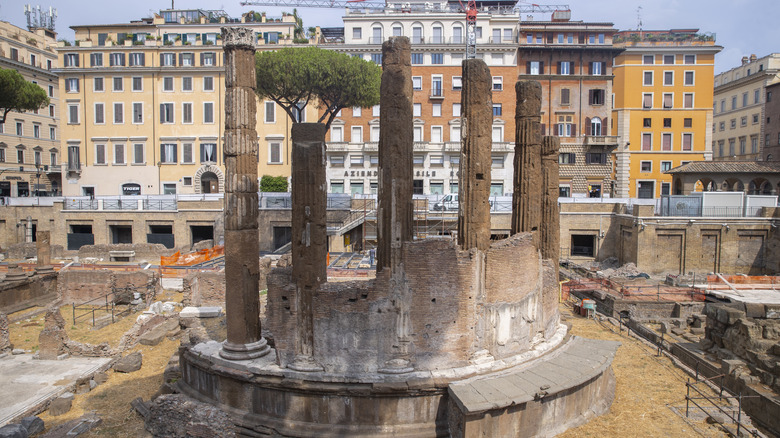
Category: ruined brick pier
[242,250]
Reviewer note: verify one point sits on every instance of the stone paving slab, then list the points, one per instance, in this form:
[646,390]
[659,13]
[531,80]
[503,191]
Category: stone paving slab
[27,383]
[576,362]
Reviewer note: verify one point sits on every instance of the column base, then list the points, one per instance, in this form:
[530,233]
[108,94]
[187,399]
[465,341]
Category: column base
[253,350]
[305,363]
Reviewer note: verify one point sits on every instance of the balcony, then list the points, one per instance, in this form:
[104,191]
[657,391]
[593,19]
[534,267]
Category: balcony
[601,140]
[437,93]
[54,168]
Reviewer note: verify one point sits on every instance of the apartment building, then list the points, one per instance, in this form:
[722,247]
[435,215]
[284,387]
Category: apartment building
[771,122]
[663,107]
[438,38]
[29,142]
[573,62]
[143,109]
[739,108]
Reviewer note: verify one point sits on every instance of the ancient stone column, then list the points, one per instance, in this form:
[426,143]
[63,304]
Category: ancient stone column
[475,156]
[309,233]
[527,195]
[550,233]
[242,248]
[43,245]
[396,137]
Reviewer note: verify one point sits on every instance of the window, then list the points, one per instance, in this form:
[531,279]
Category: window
[456,110]
[668,59]
[687,122]
[137,60]
[118,83]
[565,126]
[647,122]
[19,129]
[166,113]
[37,131]
[52,111]
[595,158]
[187,59]
[723,105]
[417,58]
[497,110]
[436,86]
[733,123]
[375,111]
[648,78]
[72,85]
[744,99]
[376,58]
[417,133]
[138,112]
[687,141]
[418,160]
[645,166]
[437,58]
[208,153]
[666,165]
[336,134]
[567,158]
[436,134]
[208,112]
[733,102]
[647,141]
[99,114]
[167,59]
[457,83]
[116,59]
[119,113]
[186,83]
[668,98]
[337,186]
[666,141]
[591,39]
[208,83]
[597,97]
[743,121]
[754,144]
[138,153]
[270,112]
[207,59]
[70,59]
[274,152]
[534,67]
[356,134]
[688,100]
[689,59]
[337,161]
[689,75]
[186,153]
[455,133]
[73,113]
[97,84]
[498,83]
[417,110]
[755,119]
[186,112]
[596,127]
[436,110]
[668,78]
[374,134]
[100,154]
[756,96]
[457,35]
[398,31]
[564,191]
[768,96]
[20,156]
[168,153]
[52,133]
[357,33]
[137,84]
[119,154]
[722,126]
[417,82]
[598,68]
[648,59]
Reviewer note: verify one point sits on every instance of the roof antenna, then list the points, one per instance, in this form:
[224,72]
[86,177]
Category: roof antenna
[639,18]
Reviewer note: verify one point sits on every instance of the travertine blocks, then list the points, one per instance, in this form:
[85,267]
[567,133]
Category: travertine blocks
[242,261]
[527,195]
[475,156]
[395,212]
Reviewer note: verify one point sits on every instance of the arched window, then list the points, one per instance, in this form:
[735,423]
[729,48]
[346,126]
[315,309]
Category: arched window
[595,126]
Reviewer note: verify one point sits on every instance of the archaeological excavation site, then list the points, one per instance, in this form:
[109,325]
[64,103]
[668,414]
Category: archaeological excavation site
[468,334]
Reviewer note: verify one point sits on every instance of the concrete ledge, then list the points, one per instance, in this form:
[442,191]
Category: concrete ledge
[556,392]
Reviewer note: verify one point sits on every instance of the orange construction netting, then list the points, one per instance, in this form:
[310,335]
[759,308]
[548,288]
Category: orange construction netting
[204,255]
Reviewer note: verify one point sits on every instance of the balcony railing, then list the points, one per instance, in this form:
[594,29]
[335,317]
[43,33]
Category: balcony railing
[602,140]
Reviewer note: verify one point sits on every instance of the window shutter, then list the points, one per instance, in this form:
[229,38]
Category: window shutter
[77,60]
[587,158]
[544,129]
[574,130]
[181,55]
[202,153]
[201,58]
[555,129]
[528,67]
[603,158]
[605,126]
[162,113]
[175,151]
[161,60]
[603,68]
[541,68]
[143,59]
[587,126]
[559,67]
[590,68]
[590,97]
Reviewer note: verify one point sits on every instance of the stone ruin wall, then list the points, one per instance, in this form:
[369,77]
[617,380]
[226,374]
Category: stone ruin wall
[18,295]
[76,286]
[354,322]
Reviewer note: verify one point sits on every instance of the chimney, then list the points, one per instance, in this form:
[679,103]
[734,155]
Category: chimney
[753,58]
[744,60]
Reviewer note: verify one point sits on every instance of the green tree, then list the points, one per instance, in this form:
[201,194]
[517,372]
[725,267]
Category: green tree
[16,94]
[294,77]
[273,183]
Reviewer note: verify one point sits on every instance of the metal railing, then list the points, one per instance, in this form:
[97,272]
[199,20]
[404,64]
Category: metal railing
[734,415]
[699,211]
[160,204]
[80,204]
[120,204]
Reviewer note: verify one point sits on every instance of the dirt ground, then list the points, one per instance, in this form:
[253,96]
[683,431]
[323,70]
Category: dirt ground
[648,387]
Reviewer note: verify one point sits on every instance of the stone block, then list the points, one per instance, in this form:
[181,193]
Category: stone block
[200,312]
[100,378]
[153,336]
[13,431]
[729,366]
[772,311]
[61,405]
[755,310]
[33,425]
[128,364]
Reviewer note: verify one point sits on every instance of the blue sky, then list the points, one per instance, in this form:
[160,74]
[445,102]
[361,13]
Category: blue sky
[742,27]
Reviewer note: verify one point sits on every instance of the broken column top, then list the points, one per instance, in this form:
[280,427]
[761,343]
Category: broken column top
[393,51]
[529,99]
[238,36]
[308,131]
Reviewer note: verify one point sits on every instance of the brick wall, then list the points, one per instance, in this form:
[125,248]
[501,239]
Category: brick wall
[81,286]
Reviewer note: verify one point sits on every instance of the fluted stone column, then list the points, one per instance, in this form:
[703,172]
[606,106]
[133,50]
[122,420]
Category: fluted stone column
[309,233]
[527,195]
[242,248]
[396,139]
[475,156]
[550,222]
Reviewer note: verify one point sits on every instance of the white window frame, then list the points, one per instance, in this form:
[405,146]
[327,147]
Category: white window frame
[135,105]
[271,145]
[642,164]
[114,113]
[498,83]
[356,134]
[165,89]
[95,113]
[102,84]
[416,83]
[123,155]
[184,120]
[70,113]
[96,162]
[205,113]
[212,83]
[114,82]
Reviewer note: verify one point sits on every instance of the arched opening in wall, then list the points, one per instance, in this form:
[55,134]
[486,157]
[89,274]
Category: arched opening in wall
[678,187]
[209,183]
[705,185]
[759,186]
[733,185]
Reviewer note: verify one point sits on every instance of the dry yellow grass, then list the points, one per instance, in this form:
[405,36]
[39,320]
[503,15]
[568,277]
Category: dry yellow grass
[647,386]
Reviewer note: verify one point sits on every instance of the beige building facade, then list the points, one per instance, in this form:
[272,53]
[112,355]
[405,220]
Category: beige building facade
[29,142]
[739,108]
[143,110]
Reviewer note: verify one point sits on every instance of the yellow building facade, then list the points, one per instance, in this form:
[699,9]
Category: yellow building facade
[143,105]
[662,112]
